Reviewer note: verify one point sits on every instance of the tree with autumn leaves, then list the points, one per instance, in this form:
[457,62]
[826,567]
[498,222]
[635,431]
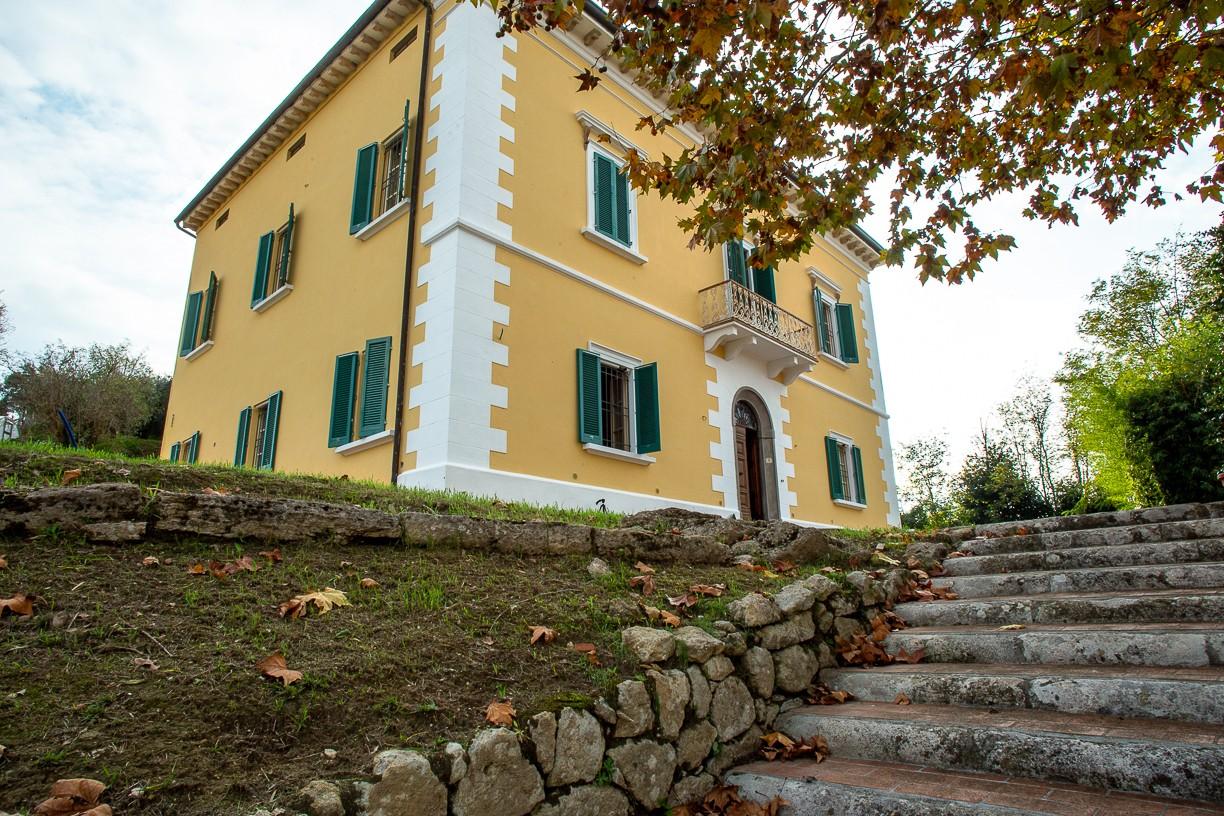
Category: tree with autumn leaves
[807,108]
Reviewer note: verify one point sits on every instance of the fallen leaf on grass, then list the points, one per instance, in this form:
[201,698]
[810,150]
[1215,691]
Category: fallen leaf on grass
[3,563]
[151,561]
[274,666]
[713,590]
[1011,627]
[589,650]
[542,634]
[888,559]
[70,476]
[901,699]
[644,582]
[765,571]
[273,555]
[784,566]
[500,712]
[685,601]
[144,663]
[645,569]
[656,615]
[219,491]
[74,796]
[20,605]
[324,601]
[197,569]
[369,583]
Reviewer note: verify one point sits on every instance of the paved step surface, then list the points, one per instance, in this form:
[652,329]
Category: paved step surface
[1160,552]
[1190,694]
[1160,757]
[1091,579]
[846,787]
[1153,644]
[1080,671]
[1140,606]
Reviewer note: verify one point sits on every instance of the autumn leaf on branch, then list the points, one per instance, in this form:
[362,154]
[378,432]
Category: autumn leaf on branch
[323,601]
[500,712]
[274,666]
[542,634]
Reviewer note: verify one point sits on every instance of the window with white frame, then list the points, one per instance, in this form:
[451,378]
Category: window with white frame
[845,461]
[618,402]
[835,327]
[611,203]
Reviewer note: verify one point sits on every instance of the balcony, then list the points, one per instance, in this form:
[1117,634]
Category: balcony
[739,321]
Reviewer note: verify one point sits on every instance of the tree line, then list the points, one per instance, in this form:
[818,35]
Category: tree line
[1134,418]
[110,396]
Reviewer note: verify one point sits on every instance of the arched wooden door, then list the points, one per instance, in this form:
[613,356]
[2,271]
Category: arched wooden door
[749,475]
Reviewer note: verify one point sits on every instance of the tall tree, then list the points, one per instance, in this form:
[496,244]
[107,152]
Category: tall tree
[806,106]
[1029,430]
[924,464]
[104,391]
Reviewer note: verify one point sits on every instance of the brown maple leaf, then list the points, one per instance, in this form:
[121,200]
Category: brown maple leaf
[324,600]
[197,569]
[903,656]
[151,561]
[273,555]
[685,601]
[74,797]
[712,590]
[70,476]
[369,583]
[901,699]
[274,666]
[643,582]
[644,568]
[500,712]
[542,634]
[21,605]
[589,650]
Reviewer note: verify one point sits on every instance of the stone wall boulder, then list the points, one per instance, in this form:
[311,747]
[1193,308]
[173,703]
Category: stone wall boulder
[499,778]
[255,518]
[99,512]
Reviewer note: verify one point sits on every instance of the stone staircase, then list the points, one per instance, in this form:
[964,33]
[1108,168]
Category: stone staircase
[1080,671]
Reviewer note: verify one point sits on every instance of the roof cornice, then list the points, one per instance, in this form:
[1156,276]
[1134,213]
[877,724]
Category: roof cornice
[353,48]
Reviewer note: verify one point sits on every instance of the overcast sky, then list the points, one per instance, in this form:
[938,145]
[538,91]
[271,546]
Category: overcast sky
[113,113]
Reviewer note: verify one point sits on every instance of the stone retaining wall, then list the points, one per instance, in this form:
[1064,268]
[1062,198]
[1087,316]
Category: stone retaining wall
[700,706]
[125,513]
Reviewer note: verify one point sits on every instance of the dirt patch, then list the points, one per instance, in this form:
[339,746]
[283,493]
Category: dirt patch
[412,661]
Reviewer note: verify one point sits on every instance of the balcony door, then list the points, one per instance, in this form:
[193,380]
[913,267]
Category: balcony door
[755,472]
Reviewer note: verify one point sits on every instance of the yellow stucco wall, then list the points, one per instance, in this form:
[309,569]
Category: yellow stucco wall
[345,290]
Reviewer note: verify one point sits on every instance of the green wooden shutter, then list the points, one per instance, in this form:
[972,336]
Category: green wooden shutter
[737,266]
[621,187]
[822,323]
[191,324]
[282,274]
[605,195]
[845,333]
[344,399]
[763,283]
[210,303]
[374,379]
[267,454]
[646,396]
[174,452]
[835,482]
[590,420]
[403,165]
[263,265]
[193,449]
[860,488]
[364,183]
[244,431]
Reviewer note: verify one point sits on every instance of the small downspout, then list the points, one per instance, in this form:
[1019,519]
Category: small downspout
[184,230]
[418,142]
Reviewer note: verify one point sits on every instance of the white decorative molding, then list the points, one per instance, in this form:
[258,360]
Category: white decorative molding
[837,361]
[730,377]
[617,453]
[365,443]
[456,394]
[616,246]
[592,125]
[853,505]
[824,282]
[198,350]
[877,388]
[383,221]
[828,389]
[279,294]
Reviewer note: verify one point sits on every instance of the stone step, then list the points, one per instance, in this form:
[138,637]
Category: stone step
[1186,551]
[1103,537]
[853,787]
[1180,644]
[1136,606]
[1192,694]
[1090,579]
[1123,518]
[1160,757]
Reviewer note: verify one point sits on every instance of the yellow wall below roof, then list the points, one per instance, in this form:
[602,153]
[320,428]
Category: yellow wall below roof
[345,290]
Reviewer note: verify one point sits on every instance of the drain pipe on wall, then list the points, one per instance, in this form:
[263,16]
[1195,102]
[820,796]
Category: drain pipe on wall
[418,143]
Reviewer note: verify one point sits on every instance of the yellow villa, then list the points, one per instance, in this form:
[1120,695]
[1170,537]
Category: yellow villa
[426,266]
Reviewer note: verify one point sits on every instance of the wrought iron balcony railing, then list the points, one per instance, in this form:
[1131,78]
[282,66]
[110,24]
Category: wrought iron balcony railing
[729,301]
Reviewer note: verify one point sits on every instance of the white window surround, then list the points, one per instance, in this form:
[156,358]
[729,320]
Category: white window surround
[834,352]
[617,453]
[366,442]
[822,282]
[605,134]
[829,358]
[272,298]
[630,252]
[842,439]
[383,221]
[629,362]
[198,350]
[851,504]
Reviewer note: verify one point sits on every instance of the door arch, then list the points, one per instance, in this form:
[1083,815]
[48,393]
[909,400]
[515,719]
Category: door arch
[756,472]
